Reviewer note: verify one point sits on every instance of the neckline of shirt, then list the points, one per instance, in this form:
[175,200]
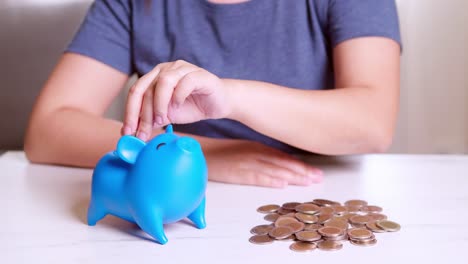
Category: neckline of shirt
[230,9]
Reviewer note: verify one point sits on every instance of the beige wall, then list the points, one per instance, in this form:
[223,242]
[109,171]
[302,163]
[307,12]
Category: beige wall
[434,112]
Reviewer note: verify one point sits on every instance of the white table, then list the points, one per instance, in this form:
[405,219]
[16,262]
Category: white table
[44,208]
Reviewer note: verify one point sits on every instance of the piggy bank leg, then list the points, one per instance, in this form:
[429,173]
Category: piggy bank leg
[152,223]
[198,216]
[96,212]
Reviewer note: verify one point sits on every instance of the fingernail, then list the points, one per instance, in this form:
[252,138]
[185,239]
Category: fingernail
[127,130]
[159,120]
[142,135]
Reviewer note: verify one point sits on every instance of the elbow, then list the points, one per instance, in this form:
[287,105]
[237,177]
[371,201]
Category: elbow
[379,140]
[31,146]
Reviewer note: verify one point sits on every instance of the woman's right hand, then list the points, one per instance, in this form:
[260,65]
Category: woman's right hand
[251,163]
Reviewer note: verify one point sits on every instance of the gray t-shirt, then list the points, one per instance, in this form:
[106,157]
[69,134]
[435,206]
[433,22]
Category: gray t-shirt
[285,42]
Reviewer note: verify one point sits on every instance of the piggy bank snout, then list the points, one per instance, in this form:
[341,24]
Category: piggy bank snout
[188,144]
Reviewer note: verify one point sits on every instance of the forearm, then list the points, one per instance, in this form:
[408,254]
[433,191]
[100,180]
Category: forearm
[75,138]
[335,122]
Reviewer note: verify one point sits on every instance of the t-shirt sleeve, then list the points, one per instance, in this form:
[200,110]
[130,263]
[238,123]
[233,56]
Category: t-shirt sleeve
[350,19]
[105,35]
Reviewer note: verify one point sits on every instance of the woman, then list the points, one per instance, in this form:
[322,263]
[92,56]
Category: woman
[254,81]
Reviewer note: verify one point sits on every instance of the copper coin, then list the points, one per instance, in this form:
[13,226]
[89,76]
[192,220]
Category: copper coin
[261,229]
[281,232]
[261,239]
[312,227]
[296,226]
[270,208]
[288,239]
[374,228]
[271,217]
[369,239]
[377,216]
[337,223]
[330,231]
[290,205]
[324,218]
[388,226]
[307,208]
[300,246]
[293,215]
[340,210]
[343,238]
[283,211]
[352,209]
[371,209]
[309,236]
[364,244]
[285,220]
[359,233]
[325,202]
[306,218]
[327,210]
[358,203]
[329,245]
[360,219]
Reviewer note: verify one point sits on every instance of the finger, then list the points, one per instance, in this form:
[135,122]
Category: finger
[283,173]
[297,166]
[185,87]
[165,85]
[145,125]
[252,177]
[135,99]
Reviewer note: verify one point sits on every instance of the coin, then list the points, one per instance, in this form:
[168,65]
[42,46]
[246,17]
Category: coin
[324,218]
[300,246]
[374,228]
[296,226]
[339,209]
[371,209]
[270,208]
[377,216]
[312,227]
[285,220]
[337,223]
[360,219]
[330,231]
[283,211]
[325,202]
[358,203]
[261,229]
[290,205]
[281,232]
[307,208]
[327,210]
[261,239]
[352,209]
[306,218]
[271,217]
[359,233]
[309,236]
[289,238]
[343,237]
[388,226]
[364,244]
[329,245]
[369,239]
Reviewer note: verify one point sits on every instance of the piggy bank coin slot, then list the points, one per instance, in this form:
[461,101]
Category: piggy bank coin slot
[160,145]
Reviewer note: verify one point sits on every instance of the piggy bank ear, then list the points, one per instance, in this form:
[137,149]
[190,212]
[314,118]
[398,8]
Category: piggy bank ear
[128,148]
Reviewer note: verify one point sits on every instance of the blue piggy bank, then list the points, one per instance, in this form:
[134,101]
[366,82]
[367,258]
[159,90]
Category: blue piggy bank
[151,184]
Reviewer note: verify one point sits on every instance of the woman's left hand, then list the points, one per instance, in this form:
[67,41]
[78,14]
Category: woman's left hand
[174,92]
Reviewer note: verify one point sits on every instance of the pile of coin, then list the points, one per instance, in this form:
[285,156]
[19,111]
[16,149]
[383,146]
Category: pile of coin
[322,224]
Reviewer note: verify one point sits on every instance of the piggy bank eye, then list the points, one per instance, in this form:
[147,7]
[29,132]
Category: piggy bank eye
[160,145]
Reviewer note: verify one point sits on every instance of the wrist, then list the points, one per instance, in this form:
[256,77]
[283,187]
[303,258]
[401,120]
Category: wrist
[233,91]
